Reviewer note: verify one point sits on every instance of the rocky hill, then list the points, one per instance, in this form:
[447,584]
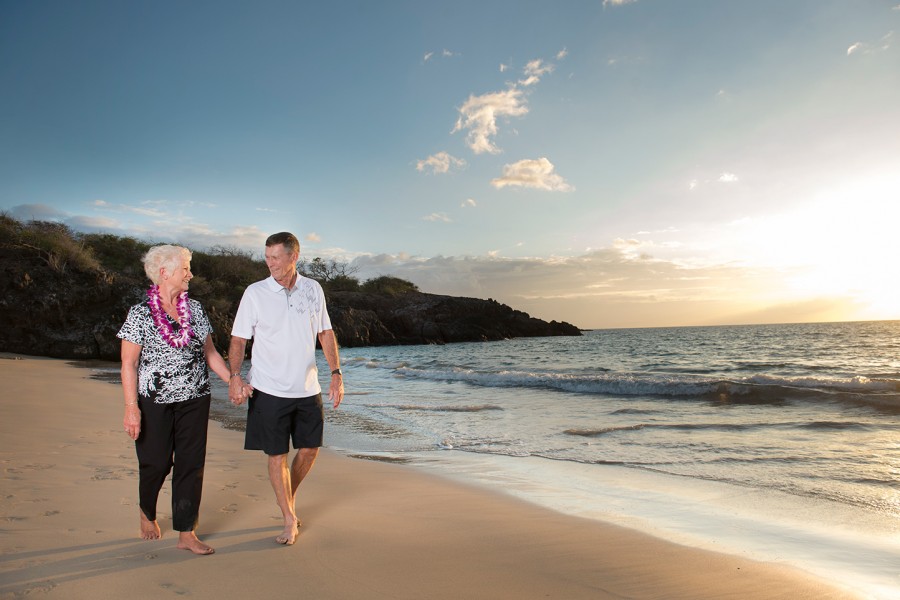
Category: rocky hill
[65,295]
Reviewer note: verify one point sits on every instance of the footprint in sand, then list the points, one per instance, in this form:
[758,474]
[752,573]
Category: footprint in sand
[50,513]
[105,473]
[178,590]
[231,508]
[41,587]
[38,466]
[229,486]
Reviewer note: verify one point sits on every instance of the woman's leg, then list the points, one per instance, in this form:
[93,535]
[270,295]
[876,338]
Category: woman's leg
[191,422]
[154,453]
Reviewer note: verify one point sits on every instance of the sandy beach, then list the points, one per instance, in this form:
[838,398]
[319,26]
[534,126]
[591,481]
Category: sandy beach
[371,529]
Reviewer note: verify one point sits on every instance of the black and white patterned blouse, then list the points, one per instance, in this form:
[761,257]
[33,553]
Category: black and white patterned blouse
[167,374]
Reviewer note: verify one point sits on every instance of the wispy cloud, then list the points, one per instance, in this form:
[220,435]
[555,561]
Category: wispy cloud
[444,54]
[534,70]
[562,54]
[532,173]
[478,115]
[126,208]
[728,178]
[871,47]
[37,212]
[468,202]
[616,2]
[313,237]
[434,217]
[440,163]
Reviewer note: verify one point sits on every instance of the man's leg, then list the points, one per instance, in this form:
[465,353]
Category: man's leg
[280,478]
[300,467]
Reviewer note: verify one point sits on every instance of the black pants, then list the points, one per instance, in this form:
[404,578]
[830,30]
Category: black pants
[173,437]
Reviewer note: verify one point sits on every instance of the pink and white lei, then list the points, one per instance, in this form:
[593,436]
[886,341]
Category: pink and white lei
[183,337]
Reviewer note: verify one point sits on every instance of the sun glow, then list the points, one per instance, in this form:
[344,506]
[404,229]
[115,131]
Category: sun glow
[843,243]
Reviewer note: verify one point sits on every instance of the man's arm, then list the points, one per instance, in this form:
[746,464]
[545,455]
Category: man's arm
[330,349]
[236,385]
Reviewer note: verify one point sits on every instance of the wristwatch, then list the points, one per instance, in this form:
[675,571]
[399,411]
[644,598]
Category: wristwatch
[337,372]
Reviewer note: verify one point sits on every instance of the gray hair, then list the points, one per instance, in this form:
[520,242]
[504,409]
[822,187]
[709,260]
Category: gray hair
[164,257]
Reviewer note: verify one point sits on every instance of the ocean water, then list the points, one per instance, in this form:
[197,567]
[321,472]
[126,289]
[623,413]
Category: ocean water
[776,442]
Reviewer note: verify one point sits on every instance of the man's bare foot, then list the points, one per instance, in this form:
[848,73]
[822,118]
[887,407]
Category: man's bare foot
[149,529]
[290,533]
[187,540]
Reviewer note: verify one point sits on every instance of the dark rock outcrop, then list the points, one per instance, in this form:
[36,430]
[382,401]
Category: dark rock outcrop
[361,319]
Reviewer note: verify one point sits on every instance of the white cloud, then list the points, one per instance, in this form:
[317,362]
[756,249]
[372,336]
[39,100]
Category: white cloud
[446,53]
[440,163]
[532,173]
[313,237]
[468,202]
[434,217]
[503,67]
[616,2]
[562,54]
[858,46]
[268,210]
[427,56]
[728,178]
[479,116]
[534,70]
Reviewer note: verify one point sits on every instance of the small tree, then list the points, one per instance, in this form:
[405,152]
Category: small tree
[327,271]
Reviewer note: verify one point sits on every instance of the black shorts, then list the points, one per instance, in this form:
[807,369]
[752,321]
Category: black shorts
[273,421]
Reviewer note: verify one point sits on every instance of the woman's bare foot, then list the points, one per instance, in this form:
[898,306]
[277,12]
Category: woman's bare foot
[289,535]
[149,529]
[187,540]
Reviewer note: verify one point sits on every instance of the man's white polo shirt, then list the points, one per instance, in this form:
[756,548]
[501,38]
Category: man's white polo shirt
[284,327]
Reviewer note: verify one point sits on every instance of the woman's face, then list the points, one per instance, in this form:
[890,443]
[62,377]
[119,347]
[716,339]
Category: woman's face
[179,279]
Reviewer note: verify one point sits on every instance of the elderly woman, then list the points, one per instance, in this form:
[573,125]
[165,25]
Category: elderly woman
[166,349]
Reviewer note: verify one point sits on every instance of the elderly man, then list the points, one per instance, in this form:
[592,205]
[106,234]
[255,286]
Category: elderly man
[284,315]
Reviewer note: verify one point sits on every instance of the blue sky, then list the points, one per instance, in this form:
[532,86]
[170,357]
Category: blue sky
[607,163]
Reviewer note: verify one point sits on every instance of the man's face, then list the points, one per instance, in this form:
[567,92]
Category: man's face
[281,262]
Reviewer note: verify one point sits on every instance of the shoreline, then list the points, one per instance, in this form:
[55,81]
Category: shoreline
[371,528]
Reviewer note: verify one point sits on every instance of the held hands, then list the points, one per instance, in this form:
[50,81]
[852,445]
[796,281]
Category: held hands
[238,391]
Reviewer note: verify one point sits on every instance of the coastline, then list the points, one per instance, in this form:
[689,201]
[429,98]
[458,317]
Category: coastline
[371,529]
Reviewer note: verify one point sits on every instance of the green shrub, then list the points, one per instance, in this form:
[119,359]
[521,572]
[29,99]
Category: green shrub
[390,286]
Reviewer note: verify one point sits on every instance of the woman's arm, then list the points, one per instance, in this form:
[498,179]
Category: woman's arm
[215,360]
[131,354]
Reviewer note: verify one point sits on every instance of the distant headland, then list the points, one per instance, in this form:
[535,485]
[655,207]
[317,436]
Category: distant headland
[65,294]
